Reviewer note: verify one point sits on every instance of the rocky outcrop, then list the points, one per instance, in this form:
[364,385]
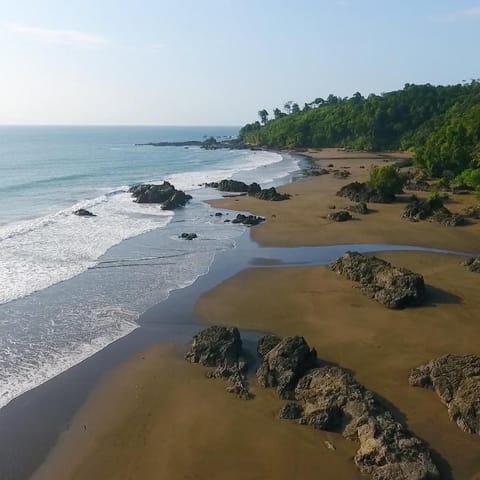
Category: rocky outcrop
[81,212]
[188,236]
[433,210]
[360,207]
[362,192]
[272,195]
[473,264]
[248,219]
[331,399]
[164,194]
[266,343]
[291,411]
[339,216]
[456,380]
[284,364]
[342,174]
[254,190]
[215,346]
[317,172]
[236,186]
[392,286]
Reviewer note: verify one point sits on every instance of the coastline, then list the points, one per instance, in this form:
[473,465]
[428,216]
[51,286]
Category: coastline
[284,229]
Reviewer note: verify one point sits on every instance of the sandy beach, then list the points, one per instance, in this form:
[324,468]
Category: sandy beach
[156,416]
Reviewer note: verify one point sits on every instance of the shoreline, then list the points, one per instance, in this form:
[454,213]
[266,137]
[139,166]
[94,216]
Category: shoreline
[210,285]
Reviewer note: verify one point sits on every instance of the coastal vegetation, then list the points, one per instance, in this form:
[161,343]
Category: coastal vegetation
[439,124]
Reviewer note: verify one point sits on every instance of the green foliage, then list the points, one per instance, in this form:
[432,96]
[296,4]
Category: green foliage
[469,178]
[441,124]
[387,179]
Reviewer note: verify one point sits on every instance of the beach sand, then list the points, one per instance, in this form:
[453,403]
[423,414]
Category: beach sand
[156,416]
[302,219]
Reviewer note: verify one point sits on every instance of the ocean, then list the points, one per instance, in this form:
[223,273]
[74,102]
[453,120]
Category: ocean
[72,285]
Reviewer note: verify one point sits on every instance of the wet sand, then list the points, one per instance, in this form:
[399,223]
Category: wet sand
[378,344]
[155,416]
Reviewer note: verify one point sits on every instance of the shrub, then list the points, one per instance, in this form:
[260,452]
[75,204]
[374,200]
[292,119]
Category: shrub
[387,179]
[469,178]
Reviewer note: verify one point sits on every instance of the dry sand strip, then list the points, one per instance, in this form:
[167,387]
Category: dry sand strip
[302,219]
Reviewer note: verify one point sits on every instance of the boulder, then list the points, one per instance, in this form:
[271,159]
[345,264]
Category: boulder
[248,219]
[342,174]
[272,195]
[331,399]
[456,380]
[284,364]
[165,194]
[215,346]
[188,236]
[362,192]
[473,264]
[339,216]
[360,207]
[392,286]
[314,172]
[266,343]
[81,212]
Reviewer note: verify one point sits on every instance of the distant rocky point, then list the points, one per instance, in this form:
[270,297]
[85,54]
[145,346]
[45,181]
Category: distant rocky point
[209,144]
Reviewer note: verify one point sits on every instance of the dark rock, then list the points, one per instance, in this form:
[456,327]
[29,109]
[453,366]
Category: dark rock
[318,172]
[473,264]
[333,400]
[291,411]
[339,216]
[392,286]
[81,212]
[433,210]
[188,236]
[218,214]
[342,174]
[266,343]
[237,186]
[227,221]
[284,364]
[247,219]
[272,195]
[472,212]
[215,346]
[362,192]
[456,380]
[360,207]
[165,194]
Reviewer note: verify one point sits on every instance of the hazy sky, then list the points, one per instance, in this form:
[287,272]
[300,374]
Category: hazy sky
[192,62]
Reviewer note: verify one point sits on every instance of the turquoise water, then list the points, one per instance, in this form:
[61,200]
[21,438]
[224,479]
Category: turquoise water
[71,285]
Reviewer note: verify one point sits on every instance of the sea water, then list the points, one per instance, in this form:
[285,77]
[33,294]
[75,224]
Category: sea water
[71,285]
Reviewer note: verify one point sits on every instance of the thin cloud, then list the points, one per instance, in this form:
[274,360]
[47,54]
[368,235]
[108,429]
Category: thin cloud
[472,13]
[158,46]
[58,36]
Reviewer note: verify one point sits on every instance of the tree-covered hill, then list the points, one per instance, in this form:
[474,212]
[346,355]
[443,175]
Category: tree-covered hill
[441,124]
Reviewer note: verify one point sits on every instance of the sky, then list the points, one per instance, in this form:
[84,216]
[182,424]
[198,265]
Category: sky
[217,62]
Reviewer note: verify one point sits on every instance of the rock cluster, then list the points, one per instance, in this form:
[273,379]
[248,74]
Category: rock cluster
[433,210]
[165,194]
[253,190]
[339,216]
[473,264]
[342,174]
[248,219]
[221,347]
[362,192]
[456,380]
[392,286]
[329,398]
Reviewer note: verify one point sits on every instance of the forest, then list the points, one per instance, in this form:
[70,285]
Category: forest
[439,124]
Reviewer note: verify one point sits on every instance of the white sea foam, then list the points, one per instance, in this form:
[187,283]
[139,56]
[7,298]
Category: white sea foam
[44,333]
